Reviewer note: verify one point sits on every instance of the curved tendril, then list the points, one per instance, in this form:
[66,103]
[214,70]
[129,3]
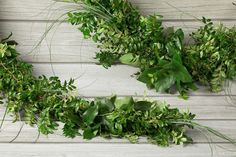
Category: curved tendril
[18,134]
[208,129]
[3,118]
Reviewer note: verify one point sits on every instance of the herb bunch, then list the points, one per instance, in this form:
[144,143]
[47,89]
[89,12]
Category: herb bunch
[134,40]
[127,37]
[44,102]
[165,62]
[212,59]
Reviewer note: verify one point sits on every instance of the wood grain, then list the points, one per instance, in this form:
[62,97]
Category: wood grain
[72,56]
[30,134]
[170,9]
[94,80]
[205,107]
[65,43]
[114,150]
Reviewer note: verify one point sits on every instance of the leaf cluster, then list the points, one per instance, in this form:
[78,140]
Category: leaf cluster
[130,38]
[212,59]
[46,102]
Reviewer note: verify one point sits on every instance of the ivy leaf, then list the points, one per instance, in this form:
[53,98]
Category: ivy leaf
[164,83]
[90,114]
[180,72]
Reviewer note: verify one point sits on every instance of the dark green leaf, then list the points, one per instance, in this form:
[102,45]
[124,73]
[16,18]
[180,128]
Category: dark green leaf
[142,106]
[88,134]
[90,114]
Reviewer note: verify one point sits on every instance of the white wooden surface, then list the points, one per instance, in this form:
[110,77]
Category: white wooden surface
[71,56]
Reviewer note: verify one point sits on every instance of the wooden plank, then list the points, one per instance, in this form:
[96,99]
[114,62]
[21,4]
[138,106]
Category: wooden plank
[94,80]
[30,134]
[205,107]
[65,41]
[33,10]
[114,150]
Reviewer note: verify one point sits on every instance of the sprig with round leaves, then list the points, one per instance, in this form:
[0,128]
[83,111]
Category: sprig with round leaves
[212,59]
[128,37]
[46,102]
[165,62]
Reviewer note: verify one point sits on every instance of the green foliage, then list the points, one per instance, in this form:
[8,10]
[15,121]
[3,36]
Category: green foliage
[212,59]
[132,39]
[165,63]
[46,102]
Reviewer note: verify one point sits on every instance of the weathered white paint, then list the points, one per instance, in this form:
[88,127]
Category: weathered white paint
[30,134]
[65,41]
[205,107]
[71,56]
[46,9]
[114,150]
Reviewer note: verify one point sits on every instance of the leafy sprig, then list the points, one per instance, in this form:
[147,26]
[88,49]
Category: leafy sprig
[165,63]
[212,59]
[130,38]
[46,102]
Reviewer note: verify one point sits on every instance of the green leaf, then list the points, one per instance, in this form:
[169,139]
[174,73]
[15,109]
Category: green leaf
[124,103]
[105,105]
[70,130]
[130,59]
[90,114]
[181,73]
[142,106]
[88,134]
[180,34]
[184,96]
[147,75]
[164,83]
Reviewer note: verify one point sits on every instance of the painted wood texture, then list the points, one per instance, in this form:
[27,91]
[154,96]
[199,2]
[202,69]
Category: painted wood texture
[30,134]
[64,43]
[114,150]
[65,52]
[170,9]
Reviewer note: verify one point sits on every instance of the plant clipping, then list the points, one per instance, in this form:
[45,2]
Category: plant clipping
[166,64]
[45,102]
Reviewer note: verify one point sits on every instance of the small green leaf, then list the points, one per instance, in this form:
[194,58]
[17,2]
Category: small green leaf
[180,34]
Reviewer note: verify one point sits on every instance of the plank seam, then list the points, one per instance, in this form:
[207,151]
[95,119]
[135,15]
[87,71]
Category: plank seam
[64,21]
